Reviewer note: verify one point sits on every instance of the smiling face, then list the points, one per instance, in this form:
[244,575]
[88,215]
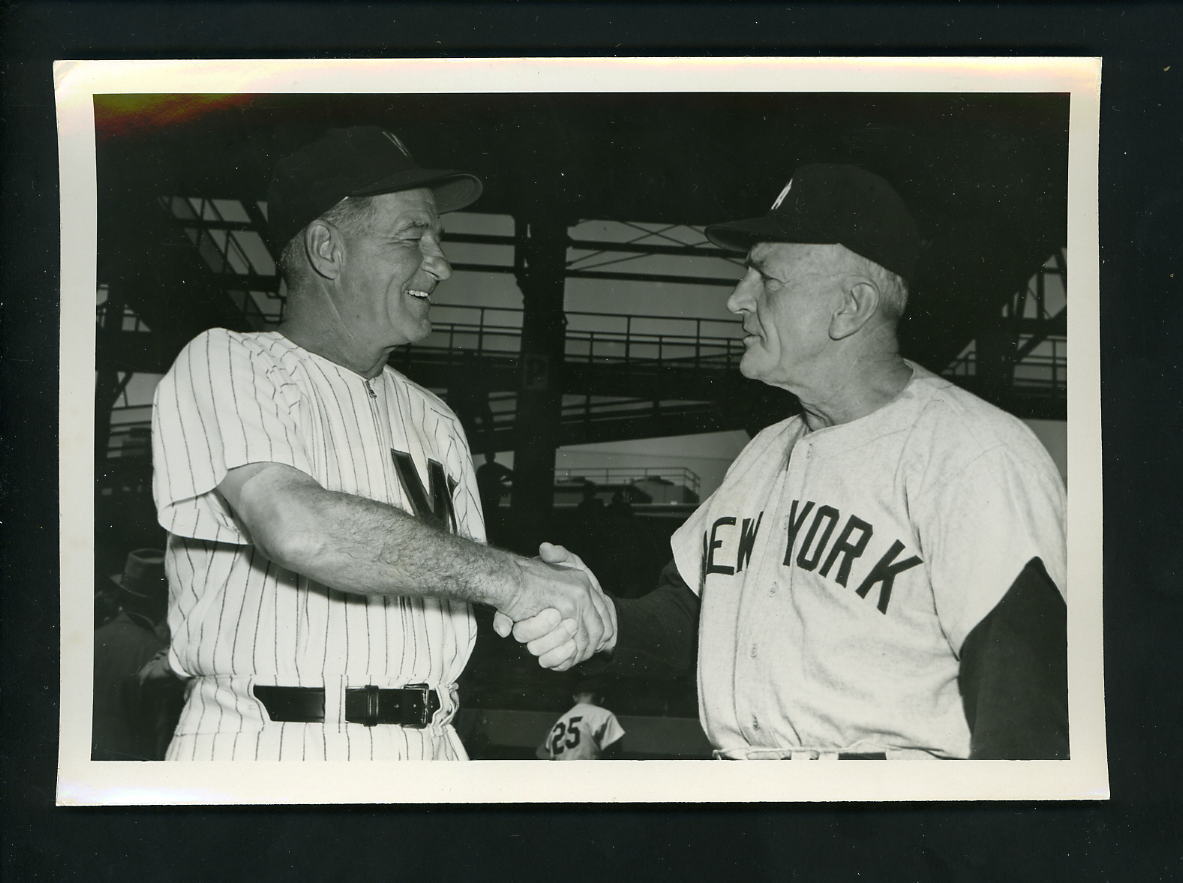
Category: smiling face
[392,264]
[786,299]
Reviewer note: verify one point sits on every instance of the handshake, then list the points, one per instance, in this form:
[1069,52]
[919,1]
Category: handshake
[559,610]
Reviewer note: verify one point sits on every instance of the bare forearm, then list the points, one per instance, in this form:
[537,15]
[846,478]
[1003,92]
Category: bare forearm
[357,545]
[369,548]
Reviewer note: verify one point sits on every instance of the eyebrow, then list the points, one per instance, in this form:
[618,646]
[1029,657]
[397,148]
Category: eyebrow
[413,225]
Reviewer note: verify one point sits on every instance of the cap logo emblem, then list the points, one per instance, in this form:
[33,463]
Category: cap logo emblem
[394,139]
[781,197]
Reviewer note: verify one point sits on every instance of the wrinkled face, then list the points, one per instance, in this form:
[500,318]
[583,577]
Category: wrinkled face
[392,265]
[786,299]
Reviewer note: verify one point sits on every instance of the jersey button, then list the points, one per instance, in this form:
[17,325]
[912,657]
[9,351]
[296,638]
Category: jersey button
[755,722]
[772,590]
[753,651]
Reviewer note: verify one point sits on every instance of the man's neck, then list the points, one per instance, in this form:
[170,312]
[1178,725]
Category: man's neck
[860,388]
[320,332]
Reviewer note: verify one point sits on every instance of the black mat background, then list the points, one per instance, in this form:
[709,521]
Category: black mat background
[1135,836]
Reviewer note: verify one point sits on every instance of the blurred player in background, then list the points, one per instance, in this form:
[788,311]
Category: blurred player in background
[586,731]
[126,715]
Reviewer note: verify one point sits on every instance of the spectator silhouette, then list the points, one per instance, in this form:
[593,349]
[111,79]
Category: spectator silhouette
[591,506]
[131,720]
[492,481]
[468,396]
[621,506]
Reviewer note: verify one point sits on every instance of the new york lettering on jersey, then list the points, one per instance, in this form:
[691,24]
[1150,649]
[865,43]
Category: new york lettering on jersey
[810,545]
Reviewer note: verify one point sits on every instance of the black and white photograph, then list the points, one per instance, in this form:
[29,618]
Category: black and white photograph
[656,412]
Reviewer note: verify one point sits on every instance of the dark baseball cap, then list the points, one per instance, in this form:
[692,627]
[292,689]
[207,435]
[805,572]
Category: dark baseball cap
[828,204]
[357,161]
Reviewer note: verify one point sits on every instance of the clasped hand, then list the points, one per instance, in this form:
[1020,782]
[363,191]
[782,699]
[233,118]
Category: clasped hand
[560,613]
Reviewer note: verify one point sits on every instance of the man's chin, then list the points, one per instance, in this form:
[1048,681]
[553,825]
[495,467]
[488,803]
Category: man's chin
[411,329]
[748,368]
[421,333]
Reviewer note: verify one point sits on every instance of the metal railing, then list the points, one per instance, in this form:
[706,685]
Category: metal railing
[130,435]
[609,476]
[1037,371]
[462,333]
[131,319]
[591,337]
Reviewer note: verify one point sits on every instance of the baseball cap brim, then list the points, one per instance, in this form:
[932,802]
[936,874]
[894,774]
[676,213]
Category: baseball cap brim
[742,235]
[453,190]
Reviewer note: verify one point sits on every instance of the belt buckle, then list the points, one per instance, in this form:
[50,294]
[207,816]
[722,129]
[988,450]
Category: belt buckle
[804,754]
[425,711]
[371,716]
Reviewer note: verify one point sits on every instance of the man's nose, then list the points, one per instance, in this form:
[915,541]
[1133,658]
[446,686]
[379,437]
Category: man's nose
[435,261]
[741,298]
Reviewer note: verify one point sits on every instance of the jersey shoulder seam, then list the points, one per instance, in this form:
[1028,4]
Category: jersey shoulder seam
[430,399]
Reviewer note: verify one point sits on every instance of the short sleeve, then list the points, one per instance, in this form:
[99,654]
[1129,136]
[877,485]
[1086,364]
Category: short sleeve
[224,403]
[989,521]
[611,731]
[686,546]
[466,496]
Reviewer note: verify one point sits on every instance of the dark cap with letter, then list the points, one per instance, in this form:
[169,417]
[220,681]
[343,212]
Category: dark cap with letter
[357,161]
[828,204]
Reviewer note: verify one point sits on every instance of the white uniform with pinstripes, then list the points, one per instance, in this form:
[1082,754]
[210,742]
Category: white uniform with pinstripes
[238,619]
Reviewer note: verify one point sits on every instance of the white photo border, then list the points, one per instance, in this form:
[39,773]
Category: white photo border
[85,782]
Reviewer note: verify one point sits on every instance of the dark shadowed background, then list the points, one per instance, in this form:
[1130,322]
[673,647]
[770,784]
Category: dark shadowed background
[1135,836]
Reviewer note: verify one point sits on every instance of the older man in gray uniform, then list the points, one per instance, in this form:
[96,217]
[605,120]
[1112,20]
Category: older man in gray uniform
[882,575]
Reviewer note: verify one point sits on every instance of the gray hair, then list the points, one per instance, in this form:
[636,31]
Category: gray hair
[893,290]
[351,214]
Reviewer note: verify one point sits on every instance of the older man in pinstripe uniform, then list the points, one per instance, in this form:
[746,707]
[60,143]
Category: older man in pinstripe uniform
[326,541]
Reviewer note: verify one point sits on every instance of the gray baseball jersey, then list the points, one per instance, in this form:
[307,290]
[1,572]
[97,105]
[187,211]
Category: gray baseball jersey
[840,570]
[238,619]
[582,733]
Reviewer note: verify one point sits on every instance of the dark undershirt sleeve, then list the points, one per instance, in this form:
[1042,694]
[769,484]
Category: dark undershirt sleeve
[1014,675]
[657,634]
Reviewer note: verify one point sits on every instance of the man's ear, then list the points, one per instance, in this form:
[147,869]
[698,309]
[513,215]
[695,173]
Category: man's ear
[323,246]
[860,301]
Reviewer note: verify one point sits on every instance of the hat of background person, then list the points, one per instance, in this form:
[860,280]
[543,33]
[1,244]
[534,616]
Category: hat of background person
[357,161]
[143,575]
[828,204]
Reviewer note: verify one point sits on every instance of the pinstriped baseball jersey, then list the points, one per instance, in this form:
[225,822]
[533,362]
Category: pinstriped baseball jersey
[582,733]
[840,570]
[238,618]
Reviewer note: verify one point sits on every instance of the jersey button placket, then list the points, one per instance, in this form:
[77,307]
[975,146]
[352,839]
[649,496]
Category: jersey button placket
[794,489]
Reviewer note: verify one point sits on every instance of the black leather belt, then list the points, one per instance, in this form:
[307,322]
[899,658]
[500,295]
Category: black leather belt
[866,755]
[846,755]
[409,706]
